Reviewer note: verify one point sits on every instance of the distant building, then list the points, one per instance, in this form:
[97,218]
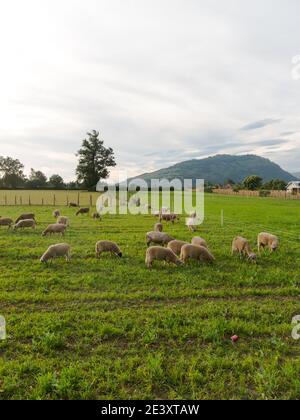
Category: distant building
[293,187]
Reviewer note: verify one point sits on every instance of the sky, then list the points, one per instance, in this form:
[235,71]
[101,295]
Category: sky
[162,80]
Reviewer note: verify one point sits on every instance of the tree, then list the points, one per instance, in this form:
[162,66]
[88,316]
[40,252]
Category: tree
[253,182]
[37,179]
[56,182]
[12,172]
[275,185]
[94,161]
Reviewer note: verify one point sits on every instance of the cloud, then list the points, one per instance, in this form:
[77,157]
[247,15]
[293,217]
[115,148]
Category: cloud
[260,124]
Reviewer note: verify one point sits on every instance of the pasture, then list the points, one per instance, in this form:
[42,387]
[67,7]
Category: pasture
[111,329]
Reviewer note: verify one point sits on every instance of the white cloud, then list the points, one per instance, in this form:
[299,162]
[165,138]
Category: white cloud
[153,77]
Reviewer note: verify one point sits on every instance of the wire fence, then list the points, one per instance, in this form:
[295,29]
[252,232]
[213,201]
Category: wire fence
[245,193]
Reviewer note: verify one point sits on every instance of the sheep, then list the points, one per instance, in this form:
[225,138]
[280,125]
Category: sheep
[56,214]
[191,224]
[54,251]
[161,254]
[27,223]
[197,253]
[158,227]
[199,242]
[108,246]
[55,228]
[267,240]
[62,220]
[157,214]
[241,245]
[83,210]
[96,216]
[158,238]
[176,246]
[27,216]
[168,217]
[193,215]
[6,222]
[73,205]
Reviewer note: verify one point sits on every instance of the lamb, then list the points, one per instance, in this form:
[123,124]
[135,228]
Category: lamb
[197,253]
[73,205]
[6,222]
[56,214]
[199,242]
[55,251]
[108,246]
[55,228]
[241,245]
[267,240]
[158,227]
[158,238]
[27,223]
[83,210]
[161,254]
[169,217]
[191,224]
[62,220]
[176,246]
[25,217]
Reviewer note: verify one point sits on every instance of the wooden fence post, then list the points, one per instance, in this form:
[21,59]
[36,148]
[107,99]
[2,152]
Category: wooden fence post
[54,200]
[91,200]
[78,199]
[29,200]
[6,200]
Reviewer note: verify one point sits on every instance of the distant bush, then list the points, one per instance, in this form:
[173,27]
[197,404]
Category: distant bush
[208,189]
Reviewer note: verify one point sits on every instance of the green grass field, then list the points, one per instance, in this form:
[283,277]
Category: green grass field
[111,329]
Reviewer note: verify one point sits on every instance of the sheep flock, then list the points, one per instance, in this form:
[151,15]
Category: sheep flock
[160,246]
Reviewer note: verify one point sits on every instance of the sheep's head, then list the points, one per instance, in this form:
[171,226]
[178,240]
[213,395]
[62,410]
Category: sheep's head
[274,246]
[120,254]
[252,257]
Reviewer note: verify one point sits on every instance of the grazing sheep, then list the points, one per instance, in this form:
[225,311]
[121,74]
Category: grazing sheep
[168,217]
[199,242]
[73,205]
[96,216]
[156,214]
[193,215]
[27,223]
[25,216]
[55,228]
[158,227]
[83,210]
[158,238]
[6,222]
[161,254]
[55,251]
[267,240]
[176,246]
[165,210]
[241,245]
[56,214]
[108,246]
[62,220]
[191,224]
[196,253]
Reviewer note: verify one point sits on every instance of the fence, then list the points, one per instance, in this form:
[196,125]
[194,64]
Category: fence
[47,198]
[273,194]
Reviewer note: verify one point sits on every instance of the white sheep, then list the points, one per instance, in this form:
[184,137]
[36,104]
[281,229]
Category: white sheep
[267,240]
[55,251]
[191,224]
[22,224]
[55,229]
[161,254]
[108,246]
[199,241]
[241,245]
[158,238]
[176,246]
[196,253]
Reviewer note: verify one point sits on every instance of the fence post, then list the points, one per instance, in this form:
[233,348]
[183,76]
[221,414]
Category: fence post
[54,200]
[6,200]
[29,201]
[67,200]
[78,199]
[91,200]
[15,200]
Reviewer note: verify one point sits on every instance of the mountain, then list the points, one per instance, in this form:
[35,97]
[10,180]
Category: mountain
[218,169]
[296,175]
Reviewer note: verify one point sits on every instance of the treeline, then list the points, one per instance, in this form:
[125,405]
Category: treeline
[13,177]
[255,183]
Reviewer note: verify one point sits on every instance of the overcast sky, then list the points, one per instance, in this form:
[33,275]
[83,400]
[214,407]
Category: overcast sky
[162,80]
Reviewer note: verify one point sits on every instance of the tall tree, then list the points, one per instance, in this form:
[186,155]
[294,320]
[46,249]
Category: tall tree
[57,182]
[94,161]
[12,175]
[37,179]
[253,182]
